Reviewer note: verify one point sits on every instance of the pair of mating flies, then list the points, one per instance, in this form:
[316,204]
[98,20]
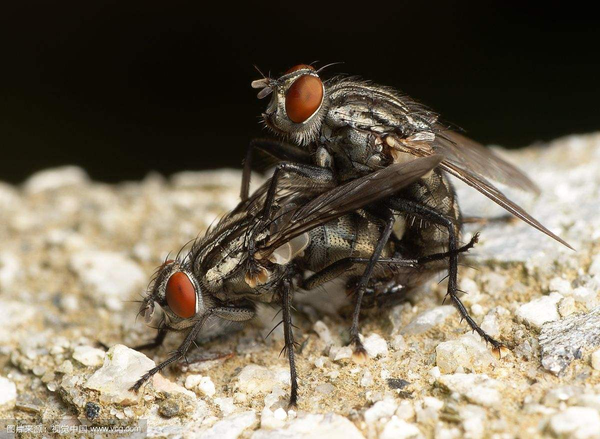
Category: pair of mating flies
[360,192]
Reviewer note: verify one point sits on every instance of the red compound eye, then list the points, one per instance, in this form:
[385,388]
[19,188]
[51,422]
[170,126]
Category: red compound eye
[299,67]
[181,295]
[303,98]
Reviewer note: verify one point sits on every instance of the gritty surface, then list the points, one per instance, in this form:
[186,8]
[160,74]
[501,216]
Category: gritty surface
[76,254]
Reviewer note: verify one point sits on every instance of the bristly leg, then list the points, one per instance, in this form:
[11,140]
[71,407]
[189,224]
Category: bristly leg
[286,306]
[314,176]
[179,353]
[422,211]
[276,148]
[360,353]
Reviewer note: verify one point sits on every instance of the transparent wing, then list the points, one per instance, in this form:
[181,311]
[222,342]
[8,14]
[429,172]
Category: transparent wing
[474,158]
[464,167]
[490,191]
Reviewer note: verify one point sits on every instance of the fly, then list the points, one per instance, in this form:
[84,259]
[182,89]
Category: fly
[219,282]
[344,128]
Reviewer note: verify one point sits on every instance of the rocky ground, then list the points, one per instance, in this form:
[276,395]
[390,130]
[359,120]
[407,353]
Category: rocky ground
[76,254]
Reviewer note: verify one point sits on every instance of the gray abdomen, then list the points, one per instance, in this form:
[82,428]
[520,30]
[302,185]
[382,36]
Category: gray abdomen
[353,235]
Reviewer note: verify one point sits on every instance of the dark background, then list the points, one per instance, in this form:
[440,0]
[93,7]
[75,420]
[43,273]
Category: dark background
[122,88]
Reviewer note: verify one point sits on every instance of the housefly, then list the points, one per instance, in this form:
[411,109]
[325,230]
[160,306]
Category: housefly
[344,128]
[327,233]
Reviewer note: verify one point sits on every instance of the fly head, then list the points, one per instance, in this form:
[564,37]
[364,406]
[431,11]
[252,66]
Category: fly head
[177,292]
[298,103]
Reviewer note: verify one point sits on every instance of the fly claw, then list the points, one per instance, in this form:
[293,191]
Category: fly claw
[500,352]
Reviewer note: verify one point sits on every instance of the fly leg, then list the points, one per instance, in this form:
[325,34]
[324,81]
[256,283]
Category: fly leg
[279,150]
[428,214]
[234,314]
[288,334]
[341,266]
[359,349]
[157,342]
[312,176]
[177,355]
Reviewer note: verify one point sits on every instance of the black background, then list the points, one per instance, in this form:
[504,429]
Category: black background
[122,88]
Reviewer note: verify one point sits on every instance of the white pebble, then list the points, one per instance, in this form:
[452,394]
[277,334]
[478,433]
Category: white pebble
[10,270]
[207,387]
[405,410]
[477,309]
[310,426]
[586,296]
[376,346]
[429,411]
[320,362]
[576,422]
[226,405]
[66,367]
[398,343]
[490,324]
[192,381]
[342,353]
[596,359]
[323,331]
[88,356]
[122,368]
[381,409]
[367,379]
[476,388]
[280,414]
[399,429]
[435,372]
[566,307]
[560,285]
[467,351]
[427,320]
[255,379]
[8,392]
[56,178]
[231,427]
[539,311]
[595,266]
[473,421]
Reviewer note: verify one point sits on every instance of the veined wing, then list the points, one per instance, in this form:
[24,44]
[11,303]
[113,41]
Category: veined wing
[477,159]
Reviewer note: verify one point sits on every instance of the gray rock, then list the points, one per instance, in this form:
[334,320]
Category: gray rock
[563,341]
